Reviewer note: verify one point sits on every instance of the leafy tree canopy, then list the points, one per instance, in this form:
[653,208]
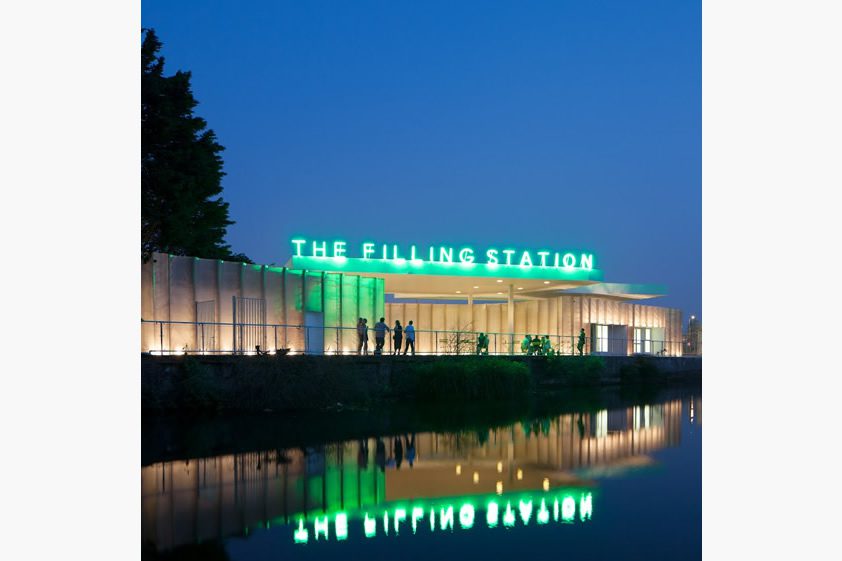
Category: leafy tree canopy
[182,212]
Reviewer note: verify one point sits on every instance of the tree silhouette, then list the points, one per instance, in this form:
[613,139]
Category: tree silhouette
[181,167]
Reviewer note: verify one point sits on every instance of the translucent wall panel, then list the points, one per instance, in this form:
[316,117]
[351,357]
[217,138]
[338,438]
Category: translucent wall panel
[424,338]
[379,299]
[181,303]
[332,319]
[313,292]
[229,286]
[350,286]
[274,296]
[367,305]
[294,304]
[252,279]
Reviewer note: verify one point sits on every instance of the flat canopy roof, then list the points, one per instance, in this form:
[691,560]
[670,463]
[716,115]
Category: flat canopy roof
[455,281]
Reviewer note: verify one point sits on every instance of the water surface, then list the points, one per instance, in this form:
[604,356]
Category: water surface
[595,483]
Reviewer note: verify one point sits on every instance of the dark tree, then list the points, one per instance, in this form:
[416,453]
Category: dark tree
[181,167]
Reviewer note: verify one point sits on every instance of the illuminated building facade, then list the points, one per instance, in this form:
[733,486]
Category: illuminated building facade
[450,293]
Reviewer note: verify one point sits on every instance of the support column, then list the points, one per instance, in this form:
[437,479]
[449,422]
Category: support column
[471,310]
[511,310]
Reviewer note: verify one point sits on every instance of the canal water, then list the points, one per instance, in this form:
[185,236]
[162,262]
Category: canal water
[615,482]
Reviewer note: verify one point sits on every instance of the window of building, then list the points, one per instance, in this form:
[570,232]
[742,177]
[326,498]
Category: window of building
[602,338]
[642,340]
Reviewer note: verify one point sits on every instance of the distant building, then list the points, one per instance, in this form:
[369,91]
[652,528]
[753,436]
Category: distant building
[693,337]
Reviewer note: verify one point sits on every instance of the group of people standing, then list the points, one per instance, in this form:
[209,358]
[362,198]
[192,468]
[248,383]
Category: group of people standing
[530,345]
[380,328]
[543,346]
[536,346]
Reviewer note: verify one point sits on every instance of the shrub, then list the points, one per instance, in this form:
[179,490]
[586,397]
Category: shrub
[642,370]
[201,389]
[469,379]
[574,370]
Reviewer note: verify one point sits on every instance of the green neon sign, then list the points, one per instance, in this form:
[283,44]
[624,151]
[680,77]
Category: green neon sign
[443,260]
[442,516]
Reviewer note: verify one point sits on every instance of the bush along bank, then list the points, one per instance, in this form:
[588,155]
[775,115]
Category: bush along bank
[570,370]
[316,383]
[467,379]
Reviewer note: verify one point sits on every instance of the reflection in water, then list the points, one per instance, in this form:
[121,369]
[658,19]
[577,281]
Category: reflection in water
[542,466]
[445,515]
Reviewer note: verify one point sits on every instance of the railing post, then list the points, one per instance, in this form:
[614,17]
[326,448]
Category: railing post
[161,337]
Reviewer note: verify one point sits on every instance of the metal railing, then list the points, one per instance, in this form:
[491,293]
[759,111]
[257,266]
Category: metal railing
[207,338]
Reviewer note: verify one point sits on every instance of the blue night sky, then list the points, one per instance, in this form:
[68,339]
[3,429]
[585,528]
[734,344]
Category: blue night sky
[556,124]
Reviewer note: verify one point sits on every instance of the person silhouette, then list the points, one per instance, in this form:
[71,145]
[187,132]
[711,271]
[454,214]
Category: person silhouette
[360,336]
[397,333]
[380,329]
[524,345]
[410,338]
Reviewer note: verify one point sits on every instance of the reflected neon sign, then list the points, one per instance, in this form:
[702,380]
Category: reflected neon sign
[508,512]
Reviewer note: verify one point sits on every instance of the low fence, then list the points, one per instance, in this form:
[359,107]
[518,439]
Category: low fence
[226,338]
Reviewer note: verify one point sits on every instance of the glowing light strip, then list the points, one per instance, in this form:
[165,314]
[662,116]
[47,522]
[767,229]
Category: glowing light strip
[336,253]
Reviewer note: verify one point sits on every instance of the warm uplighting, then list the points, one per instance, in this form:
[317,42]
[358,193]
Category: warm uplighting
[476,287]
[458,292]
[519,474]
[499,467]
[499,487]
[520,288]
[546,484]
[476,477]
[546,282]
[498,280]
[499,293]
[458,469]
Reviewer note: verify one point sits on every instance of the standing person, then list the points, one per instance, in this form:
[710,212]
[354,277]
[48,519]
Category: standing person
[410,338]
[524,345]
[482,344]
[365,336]
[360,336]
[397,332]
[380,329]
[535,346]
[546,346]
[581,344]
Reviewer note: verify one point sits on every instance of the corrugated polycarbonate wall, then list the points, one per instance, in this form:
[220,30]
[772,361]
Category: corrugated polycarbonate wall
[171,287]
[559,317]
